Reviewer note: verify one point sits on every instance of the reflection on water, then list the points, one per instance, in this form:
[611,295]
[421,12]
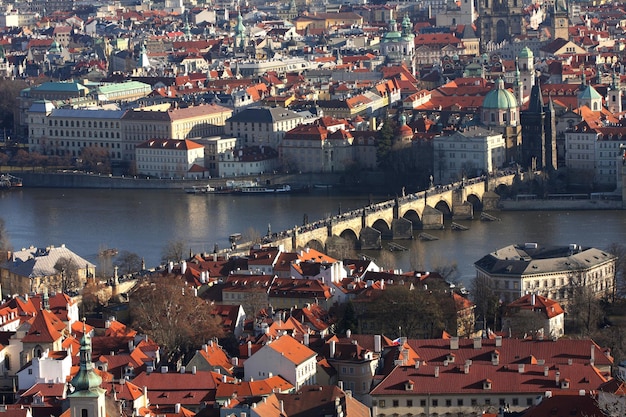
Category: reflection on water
[143,221]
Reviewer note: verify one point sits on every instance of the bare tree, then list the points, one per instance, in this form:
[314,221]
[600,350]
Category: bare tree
[95,296]
[168,311]
[619,278]
[128,262]
[173,251]
[485,298]
[584,308]
[68,272]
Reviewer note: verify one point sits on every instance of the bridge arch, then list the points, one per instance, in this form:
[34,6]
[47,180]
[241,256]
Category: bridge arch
[316,244]
[414,217]
[475,201]
[382,226]
[350,235]
[445,208]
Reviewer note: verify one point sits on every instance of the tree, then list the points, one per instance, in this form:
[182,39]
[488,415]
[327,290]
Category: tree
[128,262]
[173,251]
[5,244]
[9,92]
[95,296]
[384,146]
[21,159]
[96,159]
[347,318]
[68,271]
[485,298]
[408,312]
[167,310]
[584,308]
[619,278]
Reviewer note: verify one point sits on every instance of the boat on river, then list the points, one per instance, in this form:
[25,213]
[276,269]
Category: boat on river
[8,181]
[199,189]
[266,189]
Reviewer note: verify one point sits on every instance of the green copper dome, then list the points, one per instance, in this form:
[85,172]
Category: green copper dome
[526,53]
[500,98]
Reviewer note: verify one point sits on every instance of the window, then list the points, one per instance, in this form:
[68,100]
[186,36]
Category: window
[381,403]
[422,403]
[448,403]
[435,403]
[474,402]
[409,403]
[529,401]
[459,402]
[515,401]
[84,413]
[395,403]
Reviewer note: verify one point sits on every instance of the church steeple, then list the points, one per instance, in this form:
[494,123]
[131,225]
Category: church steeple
[87,399]
[86,379]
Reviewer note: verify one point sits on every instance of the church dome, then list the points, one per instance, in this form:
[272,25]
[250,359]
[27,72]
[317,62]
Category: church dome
[500,99]
[526,53]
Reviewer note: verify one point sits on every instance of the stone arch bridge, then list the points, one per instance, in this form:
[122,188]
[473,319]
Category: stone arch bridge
[398,218]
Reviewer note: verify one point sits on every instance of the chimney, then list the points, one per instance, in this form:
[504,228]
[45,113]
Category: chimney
[454,343]
[306,339]
[377,343]
[557,378]
[183,267]
[164,370]
[533,299]
[282,407]
[593,355]
[332,348]
[466,368]
[183,369]
[545,371]
[193,370]
[478,343]
[249,348]
[498,341]
[436,372]
[520,368]
[177,408]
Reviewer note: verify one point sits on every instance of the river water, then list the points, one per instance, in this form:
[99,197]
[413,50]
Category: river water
[144,221]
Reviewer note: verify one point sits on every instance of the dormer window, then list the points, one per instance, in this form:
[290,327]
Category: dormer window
[487,384]
[450,357]
[565,383]
[408,385]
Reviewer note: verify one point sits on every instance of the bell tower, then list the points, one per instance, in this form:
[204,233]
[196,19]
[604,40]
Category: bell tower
[560,20]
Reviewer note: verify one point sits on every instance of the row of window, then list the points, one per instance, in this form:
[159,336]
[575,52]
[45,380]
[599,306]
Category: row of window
[70,123]
[460,402]
[86,133]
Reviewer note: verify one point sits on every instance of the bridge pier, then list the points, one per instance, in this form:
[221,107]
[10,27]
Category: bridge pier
[463,211]
[370,238]
[491,201]
[402,229]
[432,218]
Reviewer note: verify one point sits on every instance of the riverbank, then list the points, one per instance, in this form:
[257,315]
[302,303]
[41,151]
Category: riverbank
[555,205]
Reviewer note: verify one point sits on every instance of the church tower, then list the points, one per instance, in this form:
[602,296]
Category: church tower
[538,133]
[560,20]
[500,20]
[614,99]
[87,400]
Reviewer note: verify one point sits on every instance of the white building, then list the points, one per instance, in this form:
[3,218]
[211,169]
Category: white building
[52,367]
[550,271]
[595,151]
[534,313]
[170,158]
[262,125]
[471,152]
[286,357]
[251,160]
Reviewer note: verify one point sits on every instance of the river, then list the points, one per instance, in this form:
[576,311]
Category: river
[144,221]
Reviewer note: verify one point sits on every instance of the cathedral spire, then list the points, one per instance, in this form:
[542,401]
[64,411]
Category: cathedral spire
[86,379]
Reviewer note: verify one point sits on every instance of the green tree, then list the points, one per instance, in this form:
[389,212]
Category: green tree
[167,310]
[347,319]
[9,93]
[385,143]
